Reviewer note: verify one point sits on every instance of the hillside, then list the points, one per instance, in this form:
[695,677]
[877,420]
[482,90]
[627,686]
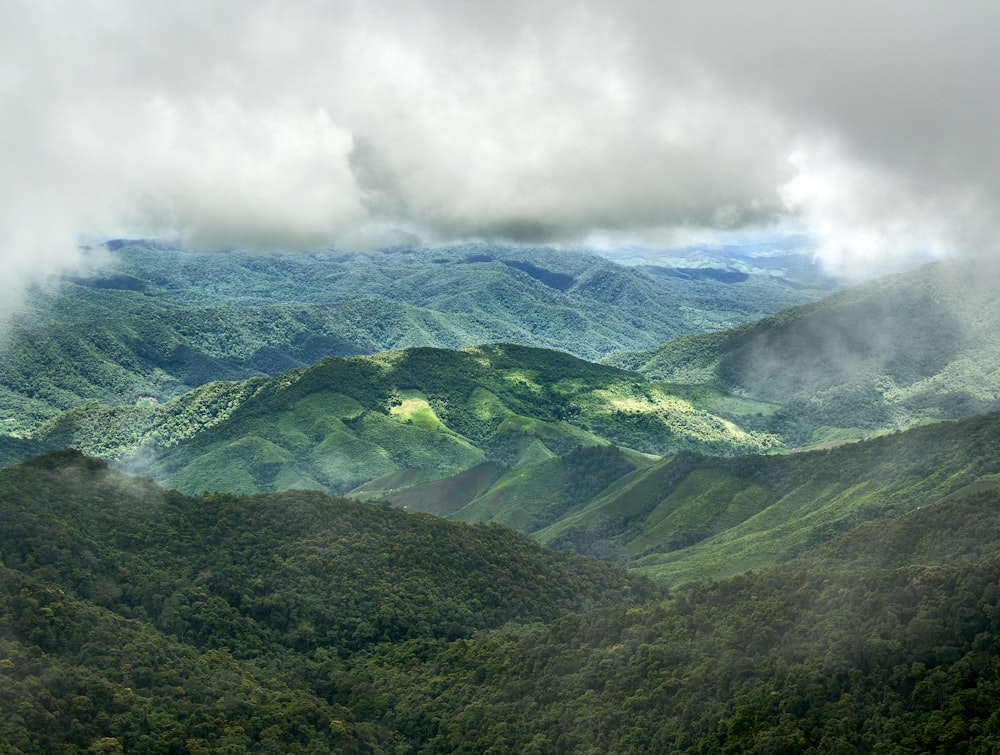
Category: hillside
[139,614]
[141,620]
[690,517]
[693,517]
[152,321]
[916,347]
[426,412]
[527,498]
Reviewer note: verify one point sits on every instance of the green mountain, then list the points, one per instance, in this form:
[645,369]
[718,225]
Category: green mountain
[134,619]
[154,322]
[691,517]
[912,348]
[428,413]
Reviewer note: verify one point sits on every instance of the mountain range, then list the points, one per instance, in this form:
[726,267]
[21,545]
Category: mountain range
[155,321]
[420,413]
[139,619]
[568,451]
[560,448]
[802,507]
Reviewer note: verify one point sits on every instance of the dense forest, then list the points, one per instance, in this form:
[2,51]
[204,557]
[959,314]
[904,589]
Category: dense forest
[140,620]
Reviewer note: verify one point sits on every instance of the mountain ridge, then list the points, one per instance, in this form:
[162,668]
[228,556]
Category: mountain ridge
[690,517]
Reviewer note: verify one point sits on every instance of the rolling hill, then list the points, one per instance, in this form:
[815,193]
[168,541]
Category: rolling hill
[692,517]
[138,619]
[426,413]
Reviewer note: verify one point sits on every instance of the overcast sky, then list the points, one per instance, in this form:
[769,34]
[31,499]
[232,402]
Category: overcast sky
[873,125]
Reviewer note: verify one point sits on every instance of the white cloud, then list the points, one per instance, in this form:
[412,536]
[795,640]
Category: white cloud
[223,173]
[302,123]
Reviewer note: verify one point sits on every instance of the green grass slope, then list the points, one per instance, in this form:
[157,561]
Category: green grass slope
[346,422]
[531,498]
[959,528]
[916,347]
[411,489]
[691,517]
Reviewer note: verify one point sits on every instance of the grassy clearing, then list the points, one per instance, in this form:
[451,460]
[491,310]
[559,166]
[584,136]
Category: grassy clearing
[416,410]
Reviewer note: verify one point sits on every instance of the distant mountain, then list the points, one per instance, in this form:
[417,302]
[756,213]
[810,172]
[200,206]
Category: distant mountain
[785,258]
[156,322]
[428,413]
[916,347]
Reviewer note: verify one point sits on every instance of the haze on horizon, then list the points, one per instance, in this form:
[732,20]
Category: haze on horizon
[869,126]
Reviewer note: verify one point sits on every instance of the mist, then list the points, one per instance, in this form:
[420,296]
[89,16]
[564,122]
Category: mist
[305,125]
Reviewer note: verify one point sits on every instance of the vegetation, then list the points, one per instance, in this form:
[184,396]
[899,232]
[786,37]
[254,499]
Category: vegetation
[159,322]
[348,421]
[138,619]
[694,518]
[845,599]
[912,348]
[691,517]
[169,623]
[531,498]
[512,435]
[790,661]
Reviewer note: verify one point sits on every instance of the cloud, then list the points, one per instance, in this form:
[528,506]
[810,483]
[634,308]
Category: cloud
[299,124]
[868,222]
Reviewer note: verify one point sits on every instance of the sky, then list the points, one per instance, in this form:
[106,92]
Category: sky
[871,126]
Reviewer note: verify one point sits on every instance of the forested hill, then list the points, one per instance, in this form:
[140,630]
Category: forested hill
[425,412]
[919,346]
[134,619]
[150,616]
[155,322]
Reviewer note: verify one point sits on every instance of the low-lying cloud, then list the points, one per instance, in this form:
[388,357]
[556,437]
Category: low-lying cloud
[304,124]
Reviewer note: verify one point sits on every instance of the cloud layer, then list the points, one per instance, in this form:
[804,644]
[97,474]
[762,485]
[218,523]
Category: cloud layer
[297,124]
